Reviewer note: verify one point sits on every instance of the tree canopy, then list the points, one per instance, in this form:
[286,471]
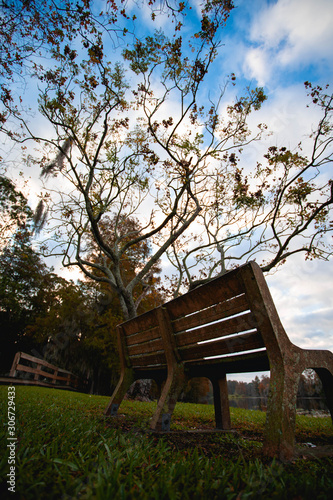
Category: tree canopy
[133,134]
[16,215]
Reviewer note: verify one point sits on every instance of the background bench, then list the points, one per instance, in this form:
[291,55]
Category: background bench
[30,370]
[229,325]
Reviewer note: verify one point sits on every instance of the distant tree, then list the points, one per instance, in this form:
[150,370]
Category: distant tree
[253,387]
[197,391]
[263,389]
[50,317]
[232,384]
[310,385]
[24,278]
[120,231]
[16,217]
[78,332]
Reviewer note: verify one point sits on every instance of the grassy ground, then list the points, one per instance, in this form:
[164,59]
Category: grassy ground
[66,449]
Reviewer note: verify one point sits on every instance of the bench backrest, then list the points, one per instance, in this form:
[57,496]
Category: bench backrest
[230,314]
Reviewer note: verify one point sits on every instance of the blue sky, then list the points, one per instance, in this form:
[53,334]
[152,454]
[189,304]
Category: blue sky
[283,42]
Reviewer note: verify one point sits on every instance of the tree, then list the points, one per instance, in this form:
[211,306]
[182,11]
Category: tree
[31,32]
[280,208]
[38,29]
[122,154]
[24,282]
[145,294]
[106,306]
[115,168]
[16,217]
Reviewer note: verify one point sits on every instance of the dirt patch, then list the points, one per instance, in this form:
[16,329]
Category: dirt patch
[312,451]
[229,444]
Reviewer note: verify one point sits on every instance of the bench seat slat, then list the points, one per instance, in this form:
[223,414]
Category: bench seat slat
[205,296]
[241,343]
[220,329]
[222,310]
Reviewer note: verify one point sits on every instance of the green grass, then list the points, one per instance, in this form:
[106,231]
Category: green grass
[67,449]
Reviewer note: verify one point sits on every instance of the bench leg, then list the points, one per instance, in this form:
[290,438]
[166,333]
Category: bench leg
[279,437]
[221,403]
[173,386]
[125,381]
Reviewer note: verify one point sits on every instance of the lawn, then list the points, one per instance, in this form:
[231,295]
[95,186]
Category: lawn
[67,449]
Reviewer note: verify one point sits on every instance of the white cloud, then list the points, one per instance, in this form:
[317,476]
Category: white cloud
[287,115]
[288,34]
[256,65]
[303,294]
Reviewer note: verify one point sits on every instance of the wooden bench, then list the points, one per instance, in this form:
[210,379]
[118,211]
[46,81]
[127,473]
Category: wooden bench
[229,325]
[29,370]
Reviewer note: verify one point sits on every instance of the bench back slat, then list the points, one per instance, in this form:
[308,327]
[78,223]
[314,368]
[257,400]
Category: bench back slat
[219,311]
[143,337]
[219,329]
[146,347]
[144,322]
[150,360]
[205,296]
[239,343]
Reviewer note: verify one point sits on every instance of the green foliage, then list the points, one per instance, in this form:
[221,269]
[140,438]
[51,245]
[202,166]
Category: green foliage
[25,282]
[69,325]
[68,449]
[145,54]
[15,213]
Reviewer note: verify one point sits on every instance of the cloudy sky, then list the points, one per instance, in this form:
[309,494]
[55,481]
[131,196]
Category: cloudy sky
[278,45]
